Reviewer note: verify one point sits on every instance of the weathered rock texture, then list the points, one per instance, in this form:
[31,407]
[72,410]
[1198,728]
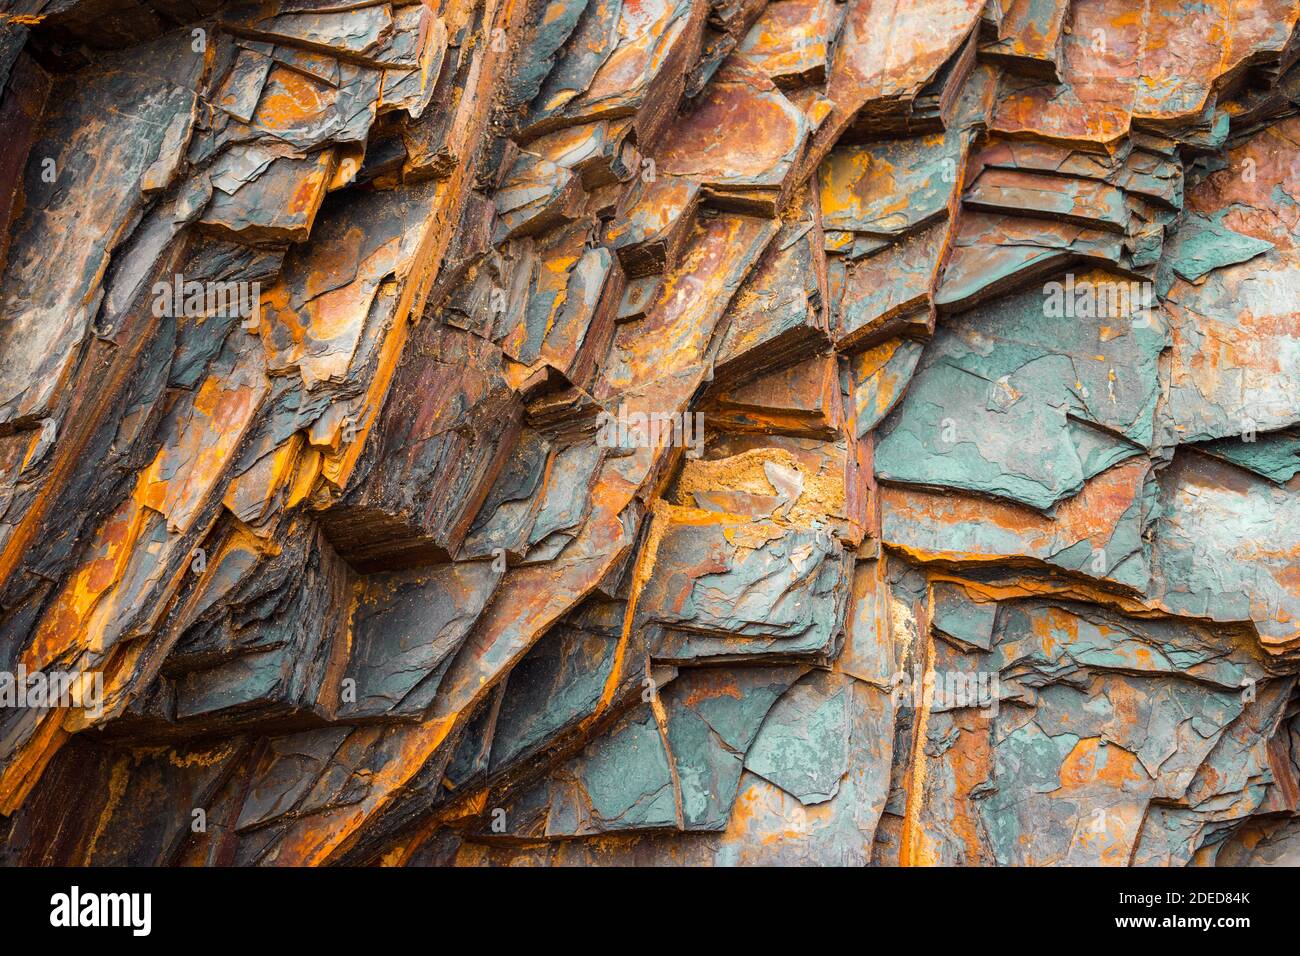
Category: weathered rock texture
[335,337]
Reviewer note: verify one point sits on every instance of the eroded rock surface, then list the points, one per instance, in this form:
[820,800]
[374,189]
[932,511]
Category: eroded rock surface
[557,432]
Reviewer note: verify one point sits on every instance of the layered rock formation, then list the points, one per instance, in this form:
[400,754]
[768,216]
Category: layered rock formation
[482,432]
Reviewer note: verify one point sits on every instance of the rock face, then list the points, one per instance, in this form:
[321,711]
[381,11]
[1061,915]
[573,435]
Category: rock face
[477,432]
